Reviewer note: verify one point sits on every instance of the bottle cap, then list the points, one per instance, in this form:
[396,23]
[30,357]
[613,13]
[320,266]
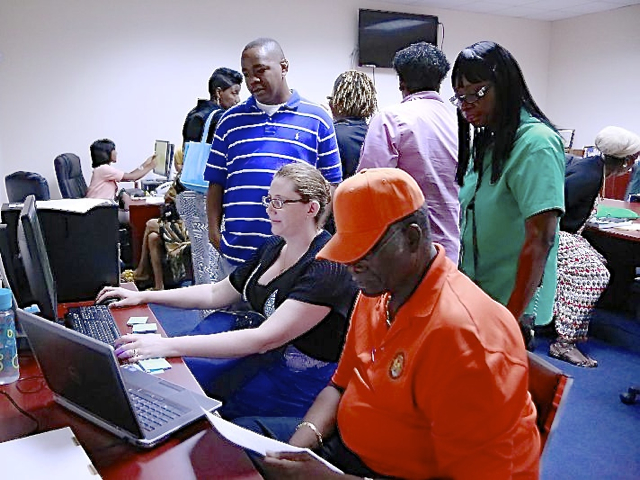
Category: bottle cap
[6,299]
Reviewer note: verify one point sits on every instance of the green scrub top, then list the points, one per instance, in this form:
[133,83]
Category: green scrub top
[532,182]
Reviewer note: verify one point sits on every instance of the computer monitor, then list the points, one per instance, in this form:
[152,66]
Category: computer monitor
[164,158]
[381,34]
[36,261]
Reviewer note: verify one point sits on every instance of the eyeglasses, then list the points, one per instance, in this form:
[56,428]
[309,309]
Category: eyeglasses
[278,203]
[469,98]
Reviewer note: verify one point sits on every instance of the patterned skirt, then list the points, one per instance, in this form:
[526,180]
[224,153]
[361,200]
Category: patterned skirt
[582,277]
[192,208]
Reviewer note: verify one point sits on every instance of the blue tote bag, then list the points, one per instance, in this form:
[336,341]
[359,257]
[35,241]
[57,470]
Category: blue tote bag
[196,155]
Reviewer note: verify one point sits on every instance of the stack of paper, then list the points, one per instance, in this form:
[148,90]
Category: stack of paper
[54,454]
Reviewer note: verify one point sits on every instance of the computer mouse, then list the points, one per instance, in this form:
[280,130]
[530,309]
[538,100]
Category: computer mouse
[107,301]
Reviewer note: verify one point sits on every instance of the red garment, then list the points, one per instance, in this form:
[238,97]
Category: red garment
[444,391]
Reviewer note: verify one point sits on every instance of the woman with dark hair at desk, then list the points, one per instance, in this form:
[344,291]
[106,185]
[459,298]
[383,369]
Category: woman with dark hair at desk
[582,271]
[105,177]
[306,303]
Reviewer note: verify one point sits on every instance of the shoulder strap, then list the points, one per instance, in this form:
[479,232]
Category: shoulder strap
[207,124]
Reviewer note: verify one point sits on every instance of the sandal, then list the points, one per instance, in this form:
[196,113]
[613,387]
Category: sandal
[568,352]
[126,276]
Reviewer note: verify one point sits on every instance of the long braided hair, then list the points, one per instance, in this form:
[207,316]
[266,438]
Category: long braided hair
[354,95]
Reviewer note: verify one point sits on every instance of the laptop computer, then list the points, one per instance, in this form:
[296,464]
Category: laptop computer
[85,377]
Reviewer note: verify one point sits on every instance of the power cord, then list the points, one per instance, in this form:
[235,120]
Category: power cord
[23,412]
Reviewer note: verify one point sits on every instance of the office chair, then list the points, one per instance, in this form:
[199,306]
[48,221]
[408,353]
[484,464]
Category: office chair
[548,386]
[20,185]
[69,174]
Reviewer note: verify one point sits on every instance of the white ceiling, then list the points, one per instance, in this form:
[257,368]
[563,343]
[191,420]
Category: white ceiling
[534,9]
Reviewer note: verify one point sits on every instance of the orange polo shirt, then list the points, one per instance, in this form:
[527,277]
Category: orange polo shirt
[443,391]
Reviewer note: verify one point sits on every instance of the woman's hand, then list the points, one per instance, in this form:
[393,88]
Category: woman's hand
[296,465]
[127,298]
[149,162]
[136,347]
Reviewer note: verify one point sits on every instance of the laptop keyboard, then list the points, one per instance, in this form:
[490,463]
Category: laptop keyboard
[153,411]
[95,321]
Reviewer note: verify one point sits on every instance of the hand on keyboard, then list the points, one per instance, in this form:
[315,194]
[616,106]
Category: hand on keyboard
[136,347]
[121,297]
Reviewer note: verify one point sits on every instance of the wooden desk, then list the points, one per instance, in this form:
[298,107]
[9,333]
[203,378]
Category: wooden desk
[197,452]
[621,248]
[140,211]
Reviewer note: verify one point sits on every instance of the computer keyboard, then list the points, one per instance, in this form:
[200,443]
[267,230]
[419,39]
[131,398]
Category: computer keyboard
[95,321]
[153,411]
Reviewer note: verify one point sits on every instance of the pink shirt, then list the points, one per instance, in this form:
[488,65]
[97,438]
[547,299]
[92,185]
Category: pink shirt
[104,182]
[420,136]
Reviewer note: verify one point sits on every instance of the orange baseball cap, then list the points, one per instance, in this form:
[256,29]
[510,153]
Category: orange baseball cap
[364,206]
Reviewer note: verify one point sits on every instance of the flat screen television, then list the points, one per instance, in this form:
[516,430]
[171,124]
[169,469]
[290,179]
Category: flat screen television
[381,34]
[36,260]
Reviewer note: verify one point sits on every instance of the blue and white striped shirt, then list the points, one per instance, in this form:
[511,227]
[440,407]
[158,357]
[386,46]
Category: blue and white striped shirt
[248,148]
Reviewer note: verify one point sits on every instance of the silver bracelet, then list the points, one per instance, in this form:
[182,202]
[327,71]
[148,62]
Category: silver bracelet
[314,429]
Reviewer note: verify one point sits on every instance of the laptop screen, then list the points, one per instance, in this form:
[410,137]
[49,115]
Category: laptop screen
[88,376]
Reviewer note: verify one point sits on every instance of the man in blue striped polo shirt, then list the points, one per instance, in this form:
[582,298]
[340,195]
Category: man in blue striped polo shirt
[274,127]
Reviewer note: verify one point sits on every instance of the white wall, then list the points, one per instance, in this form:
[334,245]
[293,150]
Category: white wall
[73,71]
[594,73]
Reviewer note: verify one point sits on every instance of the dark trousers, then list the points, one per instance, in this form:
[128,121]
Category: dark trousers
[334,450]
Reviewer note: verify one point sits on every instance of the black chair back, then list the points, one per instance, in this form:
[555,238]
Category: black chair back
[69,174]
[20,185]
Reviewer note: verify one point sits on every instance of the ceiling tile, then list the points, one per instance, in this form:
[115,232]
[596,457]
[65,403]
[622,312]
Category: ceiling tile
[585,8]
[548,10]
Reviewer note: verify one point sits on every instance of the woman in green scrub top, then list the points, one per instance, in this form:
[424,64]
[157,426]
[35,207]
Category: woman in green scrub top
[512,185]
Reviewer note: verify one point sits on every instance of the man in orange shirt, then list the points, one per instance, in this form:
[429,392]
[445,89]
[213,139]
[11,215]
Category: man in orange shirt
[432,382]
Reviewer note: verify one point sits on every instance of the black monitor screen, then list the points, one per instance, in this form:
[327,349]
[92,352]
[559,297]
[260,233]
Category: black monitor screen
[382,34]
[35,260]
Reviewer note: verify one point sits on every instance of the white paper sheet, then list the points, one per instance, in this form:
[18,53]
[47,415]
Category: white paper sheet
[54,454]
[255,442]
[76,205]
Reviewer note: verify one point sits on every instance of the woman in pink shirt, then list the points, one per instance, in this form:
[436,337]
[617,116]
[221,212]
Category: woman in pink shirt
[105,178]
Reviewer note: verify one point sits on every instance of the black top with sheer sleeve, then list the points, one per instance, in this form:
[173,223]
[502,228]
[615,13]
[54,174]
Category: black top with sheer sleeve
[318,282]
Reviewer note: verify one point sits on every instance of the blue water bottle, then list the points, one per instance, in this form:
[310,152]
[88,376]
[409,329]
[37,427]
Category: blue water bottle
[9,370]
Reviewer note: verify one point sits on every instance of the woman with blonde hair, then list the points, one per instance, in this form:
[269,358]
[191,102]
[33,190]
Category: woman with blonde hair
[305,302]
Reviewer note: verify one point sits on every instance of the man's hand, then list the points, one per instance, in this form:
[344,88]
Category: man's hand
[214,213]
[215,238]
[296,465]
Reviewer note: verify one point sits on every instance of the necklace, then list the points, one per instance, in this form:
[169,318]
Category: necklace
[285,250]
[283,262]
[386,309]
[284,265]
